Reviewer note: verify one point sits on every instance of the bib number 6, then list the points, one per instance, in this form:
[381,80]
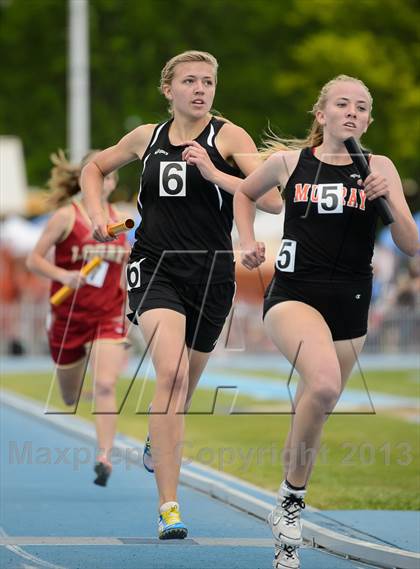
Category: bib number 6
[286,256]
[172,179]
[133,275]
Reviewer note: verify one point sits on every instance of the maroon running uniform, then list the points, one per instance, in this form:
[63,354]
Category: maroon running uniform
[95,310]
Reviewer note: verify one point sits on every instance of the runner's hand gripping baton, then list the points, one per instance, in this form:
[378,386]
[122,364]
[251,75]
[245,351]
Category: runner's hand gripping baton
[359,159]
[65,291]
[119,227]
[113,230]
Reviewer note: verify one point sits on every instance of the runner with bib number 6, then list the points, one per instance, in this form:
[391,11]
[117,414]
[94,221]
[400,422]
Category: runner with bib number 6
[181,272]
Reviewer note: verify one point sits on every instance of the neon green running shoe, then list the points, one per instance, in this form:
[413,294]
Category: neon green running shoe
[170,524]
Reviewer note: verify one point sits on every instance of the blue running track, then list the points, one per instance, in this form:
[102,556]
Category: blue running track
[54,517]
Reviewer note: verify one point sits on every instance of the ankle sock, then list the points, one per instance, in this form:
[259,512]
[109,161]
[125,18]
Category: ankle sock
[167,506]
[296,488]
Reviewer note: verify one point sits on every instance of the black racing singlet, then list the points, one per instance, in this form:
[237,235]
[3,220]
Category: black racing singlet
[186,221]
[329,226]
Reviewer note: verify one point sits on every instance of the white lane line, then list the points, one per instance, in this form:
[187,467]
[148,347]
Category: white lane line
[318,536]
[15,541]
[24,555]
[58,540]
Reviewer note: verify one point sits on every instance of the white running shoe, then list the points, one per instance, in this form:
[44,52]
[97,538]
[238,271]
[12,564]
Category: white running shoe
[285,519]
[286,557]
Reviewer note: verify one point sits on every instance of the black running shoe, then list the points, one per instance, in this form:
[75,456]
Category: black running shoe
[103,472]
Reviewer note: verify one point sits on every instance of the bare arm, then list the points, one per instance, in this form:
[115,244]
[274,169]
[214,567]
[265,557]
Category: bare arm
[53,233]
[248,159]
[388,183]
[128,149]
[273,172]
[232,142]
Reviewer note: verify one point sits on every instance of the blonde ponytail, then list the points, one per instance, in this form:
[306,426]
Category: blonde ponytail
[64,178]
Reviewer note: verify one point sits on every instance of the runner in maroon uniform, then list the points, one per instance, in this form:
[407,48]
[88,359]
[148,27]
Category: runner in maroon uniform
[94,313]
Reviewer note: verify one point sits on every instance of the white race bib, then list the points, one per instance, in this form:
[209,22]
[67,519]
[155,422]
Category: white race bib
[172,179]
[330,198]
[286,256]
[133,274]
[97,276]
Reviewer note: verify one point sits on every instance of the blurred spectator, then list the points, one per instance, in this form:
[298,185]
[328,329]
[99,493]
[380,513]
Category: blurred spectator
[385,237]
[19,287]
[385,263]
[408,285]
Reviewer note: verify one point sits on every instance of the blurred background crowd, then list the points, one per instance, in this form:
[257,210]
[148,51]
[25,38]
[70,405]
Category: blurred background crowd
[274,57]
[394,316]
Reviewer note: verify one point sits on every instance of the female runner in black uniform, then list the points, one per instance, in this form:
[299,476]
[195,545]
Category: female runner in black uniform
[181,273]
[316,307]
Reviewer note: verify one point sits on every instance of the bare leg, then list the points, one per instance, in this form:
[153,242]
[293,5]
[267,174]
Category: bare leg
[70,379]
[197,363]
[164,331]
[296,326]
[107,360]
[286,449]
[347,353]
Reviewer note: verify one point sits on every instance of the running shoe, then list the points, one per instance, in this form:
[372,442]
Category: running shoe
[103,472]
[147,451]
[170,524]
[147,456]
[284,520]
[286,557]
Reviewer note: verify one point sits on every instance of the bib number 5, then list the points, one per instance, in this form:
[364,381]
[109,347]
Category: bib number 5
[172,177]
[330,198]
[286,256]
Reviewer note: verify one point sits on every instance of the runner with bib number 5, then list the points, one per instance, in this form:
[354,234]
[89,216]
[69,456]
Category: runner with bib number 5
[181,271]
[316,307]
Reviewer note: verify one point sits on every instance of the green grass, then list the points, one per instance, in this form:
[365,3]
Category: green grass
[366,461]
[405,383]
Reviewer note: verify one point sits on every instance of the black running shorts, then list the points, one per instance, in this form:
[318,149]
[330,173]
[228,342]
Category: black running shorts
[205,317]
[344,305]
